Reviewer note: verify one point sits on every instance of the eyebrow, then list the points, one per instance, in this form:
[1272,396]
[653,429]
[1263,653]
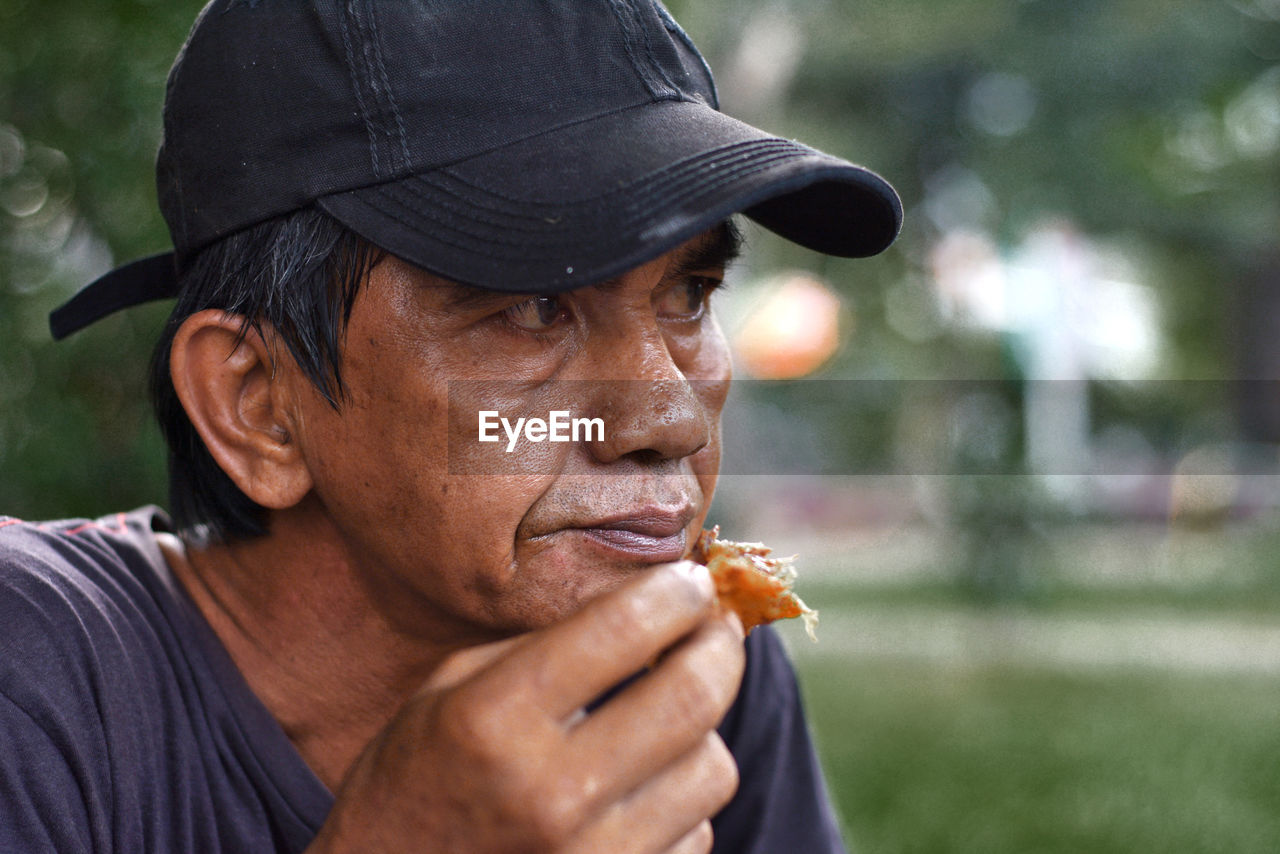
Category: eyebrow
[466,297]
[716,250]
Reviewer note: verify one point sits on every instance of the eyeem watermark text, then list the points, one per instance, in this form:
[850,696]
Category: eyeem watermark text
[557,427]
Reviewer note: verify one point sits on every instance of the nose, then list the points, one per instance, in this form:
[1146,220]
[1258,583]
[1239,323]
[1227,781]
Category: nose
[654,413]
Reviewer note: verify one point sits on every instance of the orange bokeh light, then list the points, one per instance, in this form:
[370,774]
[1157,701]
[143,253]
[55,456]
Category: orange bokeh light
[792,332]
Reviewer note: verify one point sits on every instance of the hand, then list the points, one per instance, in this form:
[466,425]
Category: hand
[496,755]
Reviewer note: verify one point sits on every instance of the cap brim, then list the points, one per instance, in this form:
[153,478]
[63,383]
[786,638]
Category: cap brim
[586,203]
[580,205]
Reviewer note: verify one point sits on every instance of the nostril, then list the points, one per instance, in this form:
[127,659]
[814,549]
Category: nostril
[647,457]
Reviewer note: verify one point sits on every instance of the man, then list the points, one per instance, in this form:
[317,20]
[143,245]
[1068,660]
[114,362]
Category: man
[367,628]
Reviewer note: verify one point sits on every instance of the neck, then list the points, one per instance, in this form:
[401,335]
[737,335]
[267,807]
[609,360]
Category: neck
[308,636]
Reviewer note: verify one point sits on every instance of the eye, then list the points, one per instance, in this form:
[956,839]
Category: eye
[539,314]
[688,299]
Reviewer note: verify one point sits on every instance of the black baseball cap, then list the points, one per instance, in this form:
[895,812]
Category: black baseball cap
[531,146]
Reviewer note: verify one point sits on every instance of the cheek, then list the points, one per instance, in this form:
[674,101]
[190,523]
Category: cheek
[707,365]
[704,355]
[710,370]
[490,430]
[375,463]
[396,471]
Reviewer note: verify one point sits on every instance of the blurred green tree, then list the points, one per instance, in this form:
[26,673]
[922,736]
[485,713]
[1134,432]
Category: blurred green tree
[1154,126]
[81,85]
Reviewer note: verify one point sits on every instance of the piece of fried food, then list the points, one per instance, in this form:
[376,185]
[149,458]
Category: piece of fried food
[756,586]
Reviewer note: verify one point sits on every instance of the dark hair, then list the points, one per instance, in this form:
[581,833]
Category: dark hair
[299,274]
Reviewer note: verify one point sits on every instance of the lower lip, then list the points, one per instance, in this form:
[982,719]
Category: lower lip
[638,546]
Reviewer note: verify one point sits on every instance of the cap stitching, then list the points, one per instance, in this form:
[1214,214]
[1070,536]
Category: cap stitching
[675,29]
[450,234]
[355,81]
[514,220]
[649,51]
[472,214]
[676,190]
[628,46]
[375,48]
[728,152]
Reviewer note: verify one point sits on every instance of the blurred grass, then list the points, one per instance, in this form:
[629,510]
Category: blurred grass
[994,750]
[923,758]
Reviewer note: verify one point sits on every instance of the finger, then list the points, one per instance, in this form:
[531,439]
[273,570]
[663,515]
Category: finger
[464,664]
[697,841]
[665,713]
[670,811]
[572,663]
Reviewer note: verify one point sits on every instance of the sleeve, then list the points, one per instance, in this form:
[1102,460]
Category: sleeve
[42,807]
[782,802]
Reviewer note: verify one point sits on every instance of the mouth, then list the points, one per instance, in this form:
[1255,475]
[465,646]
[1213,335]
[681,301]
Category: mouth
[648,535]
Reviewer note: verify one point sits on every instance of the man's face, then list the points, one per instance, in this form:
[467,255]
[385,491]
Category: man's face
[444,546]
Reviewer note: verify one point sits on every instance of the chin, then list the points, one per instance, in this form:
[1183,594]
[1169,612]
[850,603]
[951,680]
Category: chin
[556,585]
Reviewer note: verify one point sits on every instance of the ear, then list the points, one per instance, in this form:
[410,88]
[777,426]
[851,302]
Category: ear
[240,407]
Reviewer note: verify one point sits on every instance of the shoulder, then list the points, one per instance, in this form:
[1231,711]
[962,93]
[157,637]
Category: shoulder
[75,541]
[138,732]
[78,674]
[74,581]
[78,607]
[78,552]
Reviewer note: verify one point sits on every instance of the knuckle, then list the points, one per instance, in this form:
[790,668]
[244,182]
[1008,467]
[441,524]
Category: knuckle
[702,837]
[699,698]
[697,841]
[694,583]
[474,728]
[628,617]
[555,815]
[723,770]
[662,603]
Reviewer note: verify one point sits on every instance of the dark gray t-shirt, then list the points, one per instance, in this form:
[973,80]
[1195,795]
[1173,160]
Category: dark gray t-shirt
[127,728]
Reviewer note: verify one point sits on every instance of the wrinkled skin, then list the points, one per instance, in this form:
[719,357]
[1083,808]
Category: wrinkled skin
[500,554]
[428,636]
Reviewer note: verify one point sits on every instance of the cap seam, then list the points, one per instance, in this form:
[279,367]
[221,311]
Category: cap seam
[621,12]
[649,51]
[375,47]
[676,30]
[411,170]
[358,90]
